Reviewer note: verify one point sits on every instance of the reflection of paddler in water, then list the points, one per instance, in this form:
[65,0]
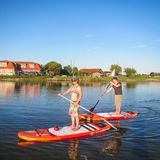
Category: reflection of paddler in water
[112,146]
[73,150]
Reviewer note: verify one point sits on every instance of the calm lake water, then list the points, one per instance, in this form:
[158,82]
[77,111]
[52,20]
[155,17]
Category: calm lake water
[28,106]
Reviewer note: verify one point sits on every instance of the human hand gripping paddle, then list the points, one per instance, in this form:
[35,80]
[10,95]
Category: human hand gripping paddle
[88,111]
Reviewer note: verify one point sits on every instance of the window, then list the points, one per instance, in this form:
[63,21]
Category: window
[23,65]
[31,65]
[3,64]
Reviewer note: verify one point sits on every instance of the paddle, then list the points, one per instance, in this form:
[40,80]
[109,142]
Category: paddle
[92,109]
[89,111]
[111,75]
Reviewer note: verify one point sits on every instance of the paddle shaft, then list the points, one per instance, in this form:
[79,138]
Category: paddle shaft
[89,111]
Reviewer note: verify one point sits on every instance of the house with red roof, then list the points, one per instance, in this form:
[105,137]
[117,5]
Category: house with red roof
[28,67]
[94,72]
[7,67]
[13,67]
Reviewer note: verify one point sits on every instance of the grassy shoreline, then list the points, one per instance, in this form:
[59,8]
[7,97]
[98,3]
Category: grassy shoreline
[137,78]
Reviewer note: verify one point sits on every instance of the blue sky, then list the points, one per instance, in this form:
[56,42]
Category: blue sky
[90,33]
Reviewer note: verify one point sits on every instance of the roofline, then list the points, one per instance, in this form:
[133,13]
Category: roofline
[25,62]
[18,61]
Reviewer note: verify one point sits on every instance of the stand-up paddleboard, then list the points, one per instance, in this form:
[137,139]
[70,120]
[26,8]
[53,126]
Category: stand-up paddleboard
[55,133]
[108,116]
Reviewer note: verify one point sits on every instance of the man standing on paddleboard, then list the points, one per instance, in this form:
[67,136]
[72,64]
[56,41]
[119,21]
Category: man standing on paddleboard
[76,96]
[117,86]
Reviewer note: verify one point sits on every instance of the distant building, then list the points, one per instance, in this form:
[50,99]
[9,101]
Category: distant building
[94,72]
[13,67]
[107,73]
[28,67]
[7,67]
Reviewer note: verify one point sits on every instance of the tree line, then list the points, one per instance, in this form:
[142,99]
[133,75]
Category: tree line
[54,68]
[129,71]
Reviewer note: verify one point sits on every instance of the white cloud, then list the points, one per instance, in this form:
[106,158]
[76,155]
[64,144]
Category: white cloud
[139,46]
[88,35]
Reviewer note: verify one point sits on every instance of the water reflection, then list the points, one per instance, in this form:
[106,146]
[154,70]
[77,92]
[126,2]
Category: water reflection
[131,84]
[50,86]
[66,84]
[73,149]
[25,143]
[32,90]
[113,145]
[29,90]
[48,110]
[93,84]
[7,89]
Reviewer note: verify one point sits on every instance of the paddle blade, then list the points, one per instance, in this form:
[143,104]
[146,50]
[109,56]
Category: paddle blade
[92,109]
[112,73]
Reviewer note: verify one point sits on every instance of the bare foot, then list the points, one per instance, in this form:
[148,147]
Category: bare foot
[75,129]
[116,113]
[71,127]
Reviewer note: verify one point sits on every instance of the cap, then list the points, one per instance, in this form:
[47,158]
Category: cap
[116,78]
[75,78]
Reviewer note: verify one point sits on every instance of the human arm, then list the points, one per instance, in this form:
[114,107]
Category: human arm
[79,96]
[116,85]
[65,92]
[108,90]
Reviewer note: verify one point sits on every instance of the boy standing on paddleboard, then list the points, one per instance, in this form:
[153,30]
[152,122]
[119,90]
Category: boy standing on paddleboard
[76,96]
[117,86]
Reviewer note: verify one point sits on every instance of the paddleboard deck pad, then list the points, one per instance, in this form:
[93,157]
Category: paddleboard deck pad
[52,134]
[108,116]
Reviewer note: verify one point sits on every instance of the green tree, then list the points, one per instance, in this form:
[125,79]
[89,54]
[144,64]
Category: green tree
[69,70]
[75,70]
[80,73]
[117,68]
[130,71]
[152,74]
[53,68]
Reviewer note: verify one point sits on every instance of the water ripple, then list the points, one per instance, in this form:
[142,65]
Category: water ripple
[32,106]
